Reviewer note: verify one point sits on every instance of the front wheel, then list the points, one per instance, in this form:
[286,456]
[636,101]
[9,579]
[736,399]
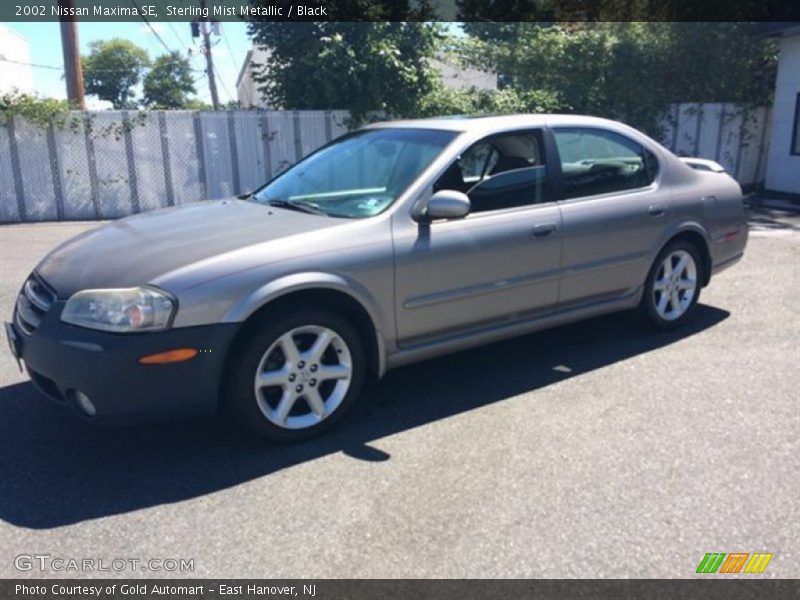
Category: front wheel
[673,285]
[295,374]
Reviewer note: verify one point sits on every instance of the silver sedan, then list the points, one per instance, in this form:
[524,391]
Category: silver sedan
[393,244]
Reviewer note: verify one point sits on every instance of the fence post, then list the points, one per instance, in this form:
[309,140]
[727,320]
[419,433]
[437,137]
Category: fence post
[131,159]
[298,141]
[676,126]
[698,129]
[162,132]
[722,115]
[91,163]
[201,156]
[742,132]
[55,169]
[266,139]
[328,126]
[237,184]
[16,169]
[762,144]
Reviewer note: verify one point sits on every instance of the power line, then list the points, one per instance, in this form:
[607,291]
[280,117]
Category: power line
[228,45]
[177,35]
[55,68]
[153,29]
[224,86]
[28,64]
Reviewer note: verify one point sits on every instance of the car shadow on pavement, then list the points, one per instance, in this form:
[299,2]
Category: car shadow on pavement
[57,470]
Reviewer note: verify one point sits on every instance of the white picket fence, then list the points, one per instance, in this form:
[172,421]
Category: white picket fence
[109,164]
[735,136]
[113,163]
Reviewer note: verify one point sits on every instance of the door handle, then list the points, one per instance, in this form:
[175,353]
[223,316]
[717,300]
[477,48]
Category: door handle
[656,210]
[543,230]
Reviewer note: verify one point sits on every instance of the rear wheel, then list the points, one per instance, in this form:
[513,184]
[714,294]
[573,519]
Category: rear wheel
[673,285]
[296,374]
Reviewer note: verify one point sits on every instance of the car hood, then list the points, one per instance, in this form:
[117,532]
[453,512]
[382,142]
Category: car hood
[136,250]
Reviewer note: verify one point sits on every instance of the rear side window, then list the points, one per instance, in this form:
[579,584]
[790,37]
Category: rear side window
[596,161]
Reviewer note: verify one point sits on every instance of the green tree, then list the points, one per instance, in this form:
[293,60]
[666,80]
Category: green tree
[169,83]
[112,69]
[629,71]
[361,67]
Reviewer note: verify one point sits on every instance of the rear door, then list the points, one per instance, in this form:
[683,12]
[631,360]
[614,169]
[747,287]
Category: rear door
[613,211]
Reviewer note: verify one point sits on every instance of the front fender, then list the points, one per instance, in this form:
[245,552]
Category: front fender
[243,308]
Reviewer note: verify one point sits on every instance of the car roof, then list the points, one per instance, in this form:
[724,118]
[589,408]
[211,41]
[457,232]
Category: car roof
[489,123]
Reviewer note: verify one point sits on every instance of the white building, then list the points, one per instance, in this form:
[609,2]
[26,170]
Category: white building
[15,58]
[783,163]
[452,76]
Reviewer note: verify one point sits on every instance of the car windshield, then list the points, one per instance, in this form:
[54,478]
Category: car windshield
[359,175]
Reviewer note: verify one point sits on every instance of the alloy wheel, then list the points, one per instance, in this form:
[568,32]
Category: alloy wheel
[675,285]
[303,377]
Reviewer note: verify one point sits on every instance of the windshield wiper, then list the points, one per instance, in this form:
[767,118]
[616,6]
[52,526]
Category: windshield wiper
[306,207]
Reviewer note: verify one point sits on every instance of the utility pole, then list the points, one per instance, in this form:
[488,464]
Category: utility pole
[212,82]
[73,71]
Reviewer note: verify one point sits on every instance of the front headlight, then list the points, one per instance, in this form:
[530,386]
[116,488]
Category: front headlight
[123,310]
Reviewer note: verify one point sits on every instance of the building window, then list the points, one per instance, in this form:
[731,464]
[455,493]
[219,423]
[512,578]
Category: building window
[796,127]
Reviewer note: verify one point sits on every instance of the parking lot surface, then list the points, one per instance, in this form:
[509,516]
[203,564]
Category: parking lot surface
[600,449]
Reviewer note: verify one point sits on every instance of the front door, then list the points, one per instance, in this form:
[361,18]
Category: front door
[497,265]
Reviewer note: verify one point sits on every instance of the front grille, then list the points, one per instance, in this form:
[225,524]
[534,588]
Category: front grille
[33,302]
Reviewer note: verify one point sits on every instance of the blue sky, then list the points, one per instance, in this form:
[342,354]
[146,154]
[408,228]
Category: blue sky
[45,49]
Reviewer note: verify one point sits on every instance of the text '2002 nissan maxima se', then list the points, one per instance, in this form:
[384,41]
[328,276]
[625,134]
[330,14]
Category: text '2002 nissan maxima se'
[392,244]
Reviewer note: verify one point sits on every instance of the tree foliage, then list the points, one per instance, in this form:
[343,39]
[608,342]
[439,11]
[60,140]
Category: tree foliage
[481,14]
[169,83]
[628,71]
[38,111]
[362,67]
[446,101]
[112,69]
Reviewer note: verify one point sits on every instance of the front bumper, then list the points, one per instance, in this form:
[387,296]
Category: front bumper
[62,359]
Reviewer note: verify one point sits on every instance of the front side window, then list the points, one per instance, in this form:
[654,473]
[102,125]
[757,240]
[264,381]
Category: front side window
[501,171]
[359,175]
[596,161]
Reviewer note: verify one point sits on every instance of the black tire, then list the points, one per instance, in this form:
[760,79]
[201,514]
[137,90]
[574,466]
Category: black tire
[650,298]
[239,394]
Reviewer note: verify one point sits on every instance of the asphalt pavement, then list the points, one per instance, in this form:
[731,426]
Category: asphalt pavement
[599,449]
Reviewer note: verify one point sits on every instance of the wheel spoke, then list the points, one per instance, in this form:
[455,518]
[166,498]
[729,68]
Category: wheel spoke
[290,350]
[662,304]
[660,284]
[285,406]
[274,378]
[315,402]
[681,266]
[321,344]
[687,284]
[333,372]
[675,302]
[668,267]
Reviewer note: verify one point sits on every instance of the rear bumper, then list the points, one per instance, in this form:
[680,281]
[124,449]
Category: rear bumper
[62,359]
[729,247]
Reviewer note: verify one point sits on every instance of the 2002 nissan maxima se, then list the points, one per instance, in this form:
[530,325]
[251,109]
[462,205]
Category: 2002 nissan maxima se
[392,244]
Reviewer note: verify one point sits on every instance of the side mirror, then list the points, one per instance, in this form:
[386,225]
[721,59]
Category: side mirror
[446,204]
